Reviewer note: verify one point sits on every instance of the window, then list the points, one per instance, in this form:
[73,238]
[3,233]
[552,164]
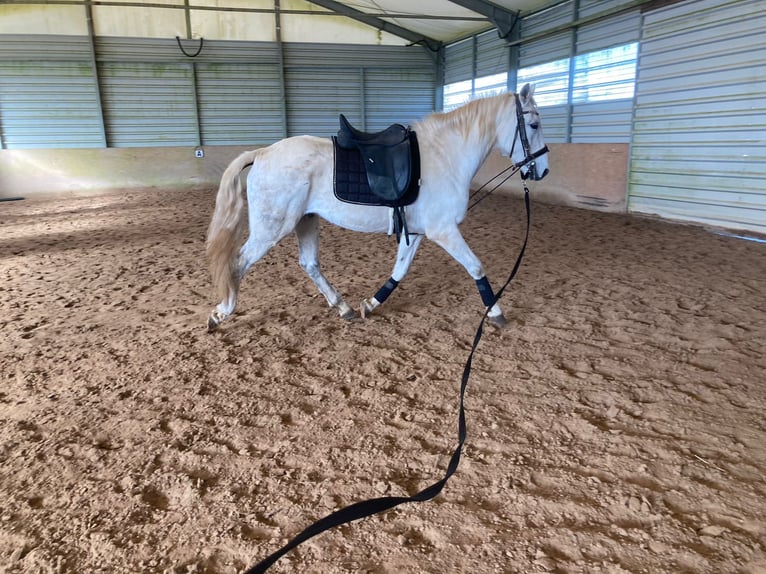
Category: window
[551,82]
[490,85]
[605,75]
[457,94]
[598,76]
[460,92]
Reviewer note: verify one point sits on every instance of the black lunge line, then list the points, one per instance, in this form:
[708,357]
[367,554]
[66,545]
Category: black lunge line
[373,506]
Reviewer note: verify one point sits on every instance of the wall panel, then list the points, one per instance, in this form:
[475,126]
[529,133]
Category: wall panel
[698,149]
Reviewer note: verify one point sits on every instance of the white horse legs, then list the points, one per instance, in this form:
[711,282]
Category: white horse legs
[454,244]
[249,253]
[404,257]
[307,232]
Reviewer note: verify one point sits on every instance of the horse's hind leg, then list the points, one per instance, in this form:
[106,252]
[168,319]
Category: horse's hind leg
[404,257]
[307,232]
[453,243]
[252,251]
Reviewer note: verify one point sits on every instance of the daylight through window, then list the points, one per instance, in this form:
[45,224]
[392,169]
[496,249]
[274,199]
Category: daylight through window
[608,74]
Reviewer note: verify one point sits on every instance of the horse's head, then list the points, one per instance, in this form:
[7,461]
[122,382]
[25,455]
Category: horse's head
[527,149]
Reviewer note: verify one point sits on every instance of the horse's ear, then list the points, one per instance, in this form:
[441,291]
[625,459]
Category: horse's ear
[527,91]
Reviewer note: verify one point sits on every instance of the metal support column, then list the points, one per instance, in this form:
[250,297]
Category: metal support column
[94,64]
[194,84]
[281,63]
[570,88]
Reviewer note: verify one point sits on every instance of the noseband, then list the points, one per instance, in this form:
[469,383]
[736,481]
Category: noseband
[521,134]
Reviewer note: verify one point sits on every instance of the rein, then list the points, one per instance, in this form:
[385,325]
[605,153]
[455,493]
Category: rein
[373,506]
[488,193]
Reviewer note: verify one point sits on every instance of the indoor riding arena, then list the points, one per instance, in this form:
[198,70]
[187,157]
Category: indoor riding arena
[615,424]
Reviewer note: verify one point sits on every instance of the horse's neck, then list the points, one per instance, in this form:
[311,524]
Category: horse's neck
[468,137]
[479,143]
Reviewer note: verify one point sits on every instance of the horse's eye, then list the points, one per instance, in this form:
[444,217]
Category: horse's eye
[534,125]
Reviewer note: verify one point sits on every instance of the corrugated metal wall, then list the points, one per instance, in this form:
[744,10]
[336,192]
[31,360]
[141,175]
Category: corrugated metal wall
[148,103]
[611,31]
[232,93]
[239,102]
[485,54]
[550,48]
[577,122]
[373,86]
[459,61]
[388,92]
[699,140]
[316,97]
[492,54]
[609,121]
[47,94]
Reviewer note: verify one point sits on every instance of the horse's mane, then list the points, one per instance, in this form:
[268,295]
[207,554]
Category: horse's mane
[477,116]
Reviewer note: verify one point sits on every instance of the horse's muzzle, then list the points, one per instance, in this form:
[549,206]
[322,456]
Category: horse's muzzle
[533,175]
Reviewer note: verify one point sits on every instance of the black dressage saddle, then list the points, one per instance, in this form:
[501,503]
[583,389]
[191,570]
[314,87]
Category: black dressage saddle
[380,168]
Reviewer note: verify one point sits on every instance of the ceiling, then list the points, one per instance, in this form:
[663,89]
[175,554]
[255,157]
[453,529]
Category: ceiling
[436,21]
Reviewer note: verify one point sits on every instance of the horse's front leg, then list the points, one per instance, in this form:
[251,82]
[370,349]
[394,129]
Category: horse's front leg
[404,257]
[453,243]
[307,232]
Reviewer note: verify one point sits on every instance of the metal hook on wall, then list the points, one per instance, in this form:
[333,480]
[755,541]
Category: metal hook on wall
[197,53]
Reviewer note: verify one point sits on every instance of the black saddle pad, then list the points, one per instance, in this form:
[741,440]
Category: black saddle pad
[350,179]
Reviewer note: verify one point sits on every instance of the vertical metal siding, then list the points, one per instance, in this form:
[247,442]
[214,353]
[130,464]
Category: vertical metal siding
[239,103]
[47,95]
[560,14]
[606,121]
[555,122]
[548,48]
[148,104]
[238,91]
[317,93]
[558,46]
[492,54]
[602,122]
[315,97]
[48,105]
[396,96]
[360,56]
[698,149]
[458,61]
[614,31]
[555,118]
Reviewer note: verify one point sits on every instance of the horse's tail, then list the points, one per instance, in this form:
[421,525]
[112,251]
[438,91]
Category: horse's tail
[227,226]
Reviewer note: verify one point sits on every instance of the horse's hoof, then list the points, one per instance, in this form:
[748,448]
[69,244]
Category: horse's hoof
[348,315]
[212,324]
[345,311]
[498,321]
[366,308]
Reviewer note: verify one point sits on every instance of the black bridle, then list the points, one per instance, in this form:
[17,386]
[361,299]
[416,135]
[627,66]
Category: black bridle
[529,157]
[521,135]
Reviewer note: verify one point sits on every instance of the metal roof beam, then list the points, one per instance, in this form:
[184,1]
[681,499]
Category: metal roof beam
[503,19]
[378,23]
